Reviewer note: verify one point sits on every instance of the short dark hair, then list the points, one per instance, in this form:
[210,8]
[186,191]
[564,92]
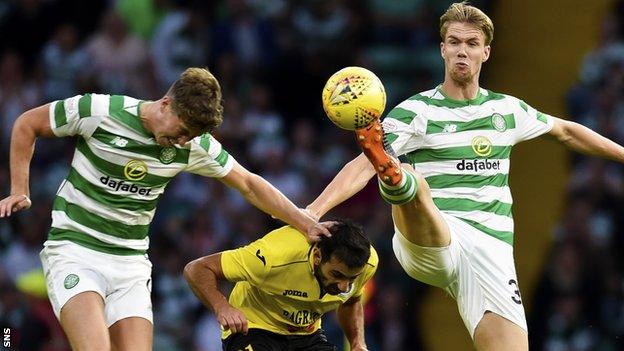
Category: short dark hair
[347,243]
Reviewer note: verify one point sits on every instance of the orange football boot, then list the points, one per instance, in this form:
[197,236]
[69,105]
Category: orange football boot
[371,141]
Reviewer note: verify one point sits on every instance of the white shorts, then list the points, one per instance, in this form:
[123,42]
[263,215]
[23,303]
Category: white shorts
[476,269]
[124,282]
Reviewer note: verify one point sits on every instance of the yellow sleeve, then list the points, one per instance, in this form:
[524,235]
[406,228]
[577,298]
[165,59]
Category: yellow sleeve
[369,271]
[249,263]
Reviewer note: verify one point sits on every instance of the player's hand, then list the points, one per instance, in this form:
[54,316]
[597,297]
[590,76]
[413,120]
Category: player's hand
[319,230]
[232,319]
[359,348]
[14,203]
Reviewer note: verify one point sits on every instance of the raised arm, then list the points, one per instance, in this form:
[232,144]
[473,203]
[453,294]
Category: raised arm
[351,320]
[202,276]
[584,140]
[352,178]
[266,197]
[30,125]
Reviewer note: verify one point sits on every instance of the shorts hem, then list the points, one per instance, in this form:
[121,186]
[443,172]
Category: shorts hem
[122,317]
[61,305]
[498,313]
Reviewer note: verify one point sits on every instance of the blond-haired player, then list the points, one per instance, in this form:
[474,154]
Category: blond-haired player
[451,202]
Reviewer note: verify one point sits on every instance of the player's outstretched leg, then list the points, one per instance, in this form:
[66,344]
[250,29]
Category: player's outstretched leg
[396,186]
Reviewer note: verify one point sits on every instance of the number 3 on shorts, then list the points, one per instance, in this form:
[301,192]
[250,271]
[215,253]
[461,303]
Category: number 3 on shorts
[517,299]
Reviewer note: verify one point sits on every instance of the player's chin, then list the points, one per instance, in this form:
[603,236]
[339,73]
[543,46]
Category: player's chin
[462,77]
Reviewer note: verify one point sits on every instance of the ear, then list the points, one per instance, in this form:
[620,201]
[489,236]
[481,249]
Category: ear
[487,50]
[442,49]
[165,101]
[317,256]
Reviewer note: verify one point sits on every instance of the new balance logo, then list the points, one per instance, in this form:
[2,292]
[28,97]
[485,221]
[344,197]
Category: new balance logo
[261,257]
[449,128]
[118,141]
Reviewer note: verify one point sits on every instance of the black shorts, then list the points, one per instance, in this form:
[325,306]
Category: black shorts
[262,340]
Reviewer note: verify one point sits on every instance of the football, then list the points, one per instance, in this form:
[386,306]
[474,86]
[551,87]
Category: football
[353,97]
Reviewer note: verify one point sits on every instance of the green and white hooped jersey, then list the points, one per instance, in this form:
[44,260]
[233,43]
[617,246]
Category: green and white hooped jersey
[118,173]
[462,148]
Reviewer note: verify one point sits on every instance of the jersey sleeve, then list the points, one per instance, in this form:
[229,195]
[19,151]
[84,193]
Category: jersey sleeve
[369,271]
[248,263]
[405,127]
[531,123]
[77,115]
[208,158]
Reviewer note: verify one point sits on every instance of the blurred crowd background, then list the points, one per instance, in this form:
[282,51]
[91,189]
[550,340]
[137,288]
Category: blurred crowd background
[272,58]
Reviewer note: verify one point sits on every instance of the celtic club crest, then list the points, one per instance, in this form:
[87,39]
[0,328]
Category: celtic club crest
[168,154]
[70,281]
[499,123]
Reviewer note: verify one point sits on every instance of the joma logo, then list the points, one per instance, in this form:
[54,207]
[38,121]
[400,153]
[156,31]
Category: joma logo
[295,293]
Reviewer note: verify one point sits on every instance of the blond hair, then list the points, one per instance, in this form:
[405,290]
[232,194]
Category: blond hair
[196,99]
[464,13]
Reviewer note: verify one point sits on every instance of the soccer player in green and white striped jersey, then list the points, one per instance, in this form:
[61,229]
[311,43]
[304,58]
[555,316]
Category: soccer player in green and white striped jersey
[451,202]
[97,272]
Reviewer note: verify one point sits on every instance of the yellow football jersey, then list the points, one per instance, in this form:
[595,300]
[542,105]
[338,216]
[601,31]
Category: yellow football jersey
[275,284]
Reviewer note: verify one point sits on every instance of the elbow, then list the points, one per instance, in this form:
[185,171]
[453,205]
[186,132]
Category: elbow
[190,270]
[203,273]
[565,139]
[21,126]
[248,190]
[567,132]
